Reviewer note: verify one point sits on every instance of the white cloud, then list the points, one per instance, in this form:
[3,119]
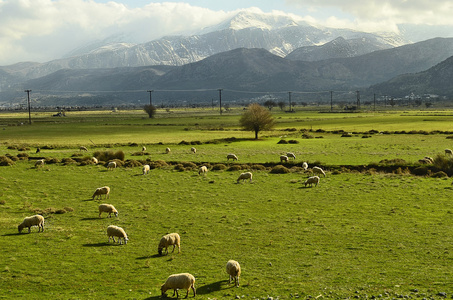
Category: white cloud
[380,15]
[41,30]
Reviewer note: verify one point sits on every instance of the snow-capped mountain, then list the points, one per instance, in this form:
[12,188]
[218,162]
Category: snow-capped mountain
[278,34]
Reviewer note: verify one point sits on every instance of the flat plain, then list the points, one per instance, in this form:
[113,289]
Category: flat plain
[356,235]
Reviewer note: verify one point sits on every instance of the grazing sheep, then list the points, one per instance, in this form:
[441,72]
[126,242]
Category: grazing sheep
[36,220]
[448,151]
[425,161]
[39,163]
[193,150]
[38,150]
[143,149]
[232,156]
[94,160]
[429,158]
[105,190]
[168,240]
[167,150]
[244,176]
[234,270]
[318,170]
[108,208]
[291,155]
[146,169]
[305,165]
[184,281]
[82,148]
[202,170]
[111,165]
[312,180]
[115,231]
[284,158]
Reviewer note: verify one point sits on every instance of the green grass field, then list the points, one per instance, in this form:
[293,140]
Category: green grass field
[356,235]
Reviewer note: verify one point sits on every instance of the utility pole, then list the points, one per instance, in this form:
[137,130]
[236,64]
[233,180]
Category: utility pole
[150,97]
[289,98]
[29,111]
[220,100]
[331,102]
[358,99]
[374,99]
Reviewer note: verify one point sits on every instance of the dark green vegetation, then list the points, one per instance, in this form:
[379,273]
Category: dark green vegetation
[358,234]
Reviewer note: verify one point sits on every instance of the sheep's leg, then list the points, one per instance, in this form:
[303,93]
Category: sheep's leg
[229,279]
[173,248]
[193,289]
[29,229]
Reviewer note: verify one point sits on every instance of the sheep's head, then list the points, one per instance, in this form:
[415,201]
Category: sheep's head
[116,214]
[20,227]
[159,250]
[163,289]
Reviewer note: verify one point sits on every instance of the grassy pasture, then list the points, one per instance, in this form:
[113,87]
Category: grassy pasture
[356,235]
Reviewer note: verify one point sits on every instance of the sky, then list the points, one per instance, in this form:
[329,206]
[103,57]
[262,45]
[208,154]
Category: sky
[43,30]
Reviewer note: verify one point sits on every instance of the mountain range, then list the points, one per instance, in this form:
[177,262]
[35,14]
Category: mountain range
[248,53]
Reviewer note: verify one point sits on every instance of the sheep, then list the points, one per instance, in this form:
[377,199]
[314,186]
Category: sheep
[108,208]
[284,158]
[318,170]
[232,156]
[111,165]
[115,231]
[305,165]
[244,176]
[202,170]
[168,240]
[94,160]
[167,150]
[234,271]
[291,155]
[425,161]
[38,150]
[82,148]
[39,163]
[143,149]
[105,190]
[175,282]
[312,180]
[429,158]
[146,169]
[193,150]
[448,151]
[36,220]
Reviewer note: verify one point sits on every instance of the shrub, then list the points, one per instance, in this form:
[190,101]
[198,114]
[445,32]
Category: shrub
[109,155]
[282,142]
[157,164]
[131,163]
[235,168]
[5,161]
[53,161]
[180,168]
[184,143]
[258,167]
[23,156]
[218,167]
[279,169]
[189,165]
[395,161]
[68,161]
[443,163]
[306,135]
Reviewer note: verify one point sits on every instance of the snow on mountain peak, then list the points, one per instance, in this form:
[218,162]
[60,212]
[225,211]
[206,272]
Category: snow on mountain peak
[264,21]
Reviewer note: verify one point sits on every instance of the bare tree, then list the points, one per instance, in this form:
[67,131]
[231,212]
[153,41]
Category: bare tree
[256,118]
[270,104]
[281,104]
[150,110]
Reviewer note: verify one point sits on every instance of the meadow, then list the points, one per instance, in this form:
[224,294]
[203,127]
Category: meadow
[356,235]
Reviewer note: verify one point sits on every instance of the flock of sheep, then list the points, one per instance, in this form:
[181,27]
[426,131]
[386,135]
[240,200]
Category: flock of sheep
[183,281]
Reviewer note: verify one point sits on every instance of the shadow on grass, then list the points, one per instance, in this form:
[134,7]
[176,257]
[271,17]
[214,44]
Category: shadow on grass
[155,298]
[90,219]
[149,256]
[212,287]
[98,244]
[91,199]
[13,234]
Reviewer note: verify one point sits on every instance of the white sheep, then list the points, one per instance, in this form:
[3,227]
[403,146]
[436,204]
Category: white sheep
[94,160]
[183,281]
[82,148]
[36,220]
[107,208]
[193,150]
[105,190]
[425,161]
[291,155]
[284,158]
[448,151]
[234,271]
[115,231]
[203,170]
[143,149]
[111,165]
[146,169]
[429,158]
[312,180]
[232,156]
[168,240]
[305,165]
[244,176]
[167,150]
[39,163]
[318,170]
